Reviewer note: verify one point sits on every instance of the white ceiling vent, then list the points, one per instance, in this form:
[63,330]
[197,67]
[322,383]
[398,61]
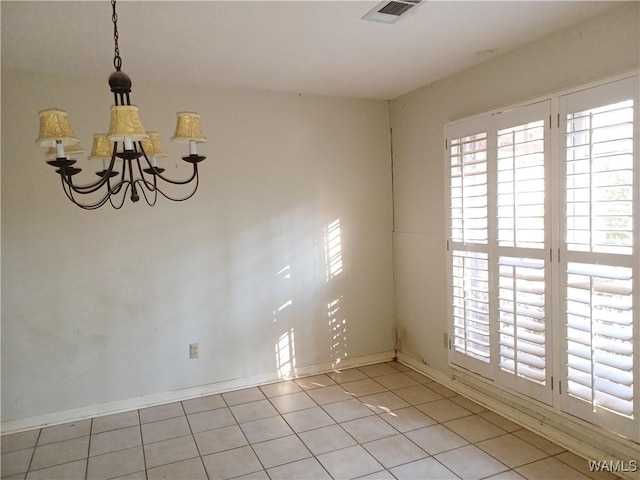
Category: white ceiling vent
[391,11]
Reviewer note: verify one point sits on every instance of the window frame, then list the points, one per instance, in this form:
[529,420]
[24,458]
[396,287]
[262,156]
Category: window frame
[554,395]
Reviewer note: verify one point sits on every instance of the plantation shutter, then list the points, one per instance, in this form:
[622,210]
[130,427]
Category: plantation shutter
[497,195]
[600,254]
[543,251]
[522,146]
[469,237]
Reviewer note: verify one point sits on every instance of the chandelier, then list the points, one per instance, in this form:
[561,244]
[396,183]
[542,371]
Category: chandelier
[127,141]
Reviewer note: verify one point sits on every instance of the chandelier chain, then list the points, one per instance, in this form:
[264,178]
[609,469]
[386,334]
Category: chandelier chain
[117,61]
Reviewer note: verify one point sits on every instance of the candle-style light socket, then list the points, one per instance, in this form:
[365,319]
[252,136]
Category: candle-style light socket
[193,158]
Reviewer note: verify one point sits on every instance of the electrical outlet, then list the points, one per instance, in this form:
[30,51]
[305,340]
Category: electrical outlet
[193,350]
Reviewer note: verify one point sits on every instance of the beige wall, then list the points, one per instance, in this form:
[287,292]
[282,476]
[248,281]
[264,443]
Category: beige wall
[101,306]
[602,46]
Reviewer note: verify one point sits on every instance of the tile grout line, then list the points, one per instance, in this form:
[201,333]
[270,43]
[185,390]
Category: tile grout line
[193,436]
[374,413]
[337,423]
[297,434]
[33,454]
[142,444]
[244,434]
[517,466]
[398,432]
[403,434]
[429,455]
[281,415]
[29,469]
[508,468]
[86,470]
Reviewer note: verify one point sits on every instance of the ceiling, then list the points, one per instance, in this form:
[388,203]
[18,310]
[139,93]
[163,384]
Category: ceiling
[311,47]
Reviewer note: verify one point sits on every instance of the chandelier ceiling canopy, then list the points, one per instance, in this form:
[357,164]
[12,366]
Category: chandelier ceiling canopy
[126,141]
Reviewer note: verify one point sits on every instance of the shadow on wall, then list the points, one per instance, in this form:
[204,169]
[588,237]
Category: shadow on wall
[337,323]
[286,355]
[285,351]
[285,347]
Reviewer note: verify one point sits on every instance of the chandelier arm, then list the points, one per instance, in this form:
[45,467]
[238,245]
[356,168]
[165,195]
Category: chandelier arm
[152,187]
[173,199]
[141,180]
[92,206]
[144,188]
[115,189]
[79,189]
[84,189]
[123,198]
[180,182]
[107,197]
[107,174]
[140,169]
[95,186]
[68,192]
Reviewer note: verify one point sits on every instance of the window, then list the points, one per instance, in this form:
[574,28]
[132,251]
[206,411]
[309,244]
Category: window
[599,255]
[543,251]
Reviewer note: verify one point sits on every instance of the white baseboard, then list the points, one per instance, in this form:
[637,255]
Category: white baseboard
[347,363]
[119,406]
[583,439]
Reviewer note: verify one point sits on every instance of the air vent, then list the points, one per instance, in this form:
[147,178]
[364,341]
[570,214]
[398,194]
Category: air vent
[395,8]
[391,12]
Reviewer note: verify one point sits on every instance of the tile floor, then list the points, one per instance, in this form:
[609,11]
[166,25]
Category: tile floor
[380,421]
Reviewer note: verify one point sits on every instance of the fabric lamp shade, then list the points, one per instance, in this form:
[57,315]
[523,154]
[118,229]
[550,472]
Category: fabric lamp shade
[153,146]
[55,127]
[102,148]
[188,128]
[125,123]
[69,151]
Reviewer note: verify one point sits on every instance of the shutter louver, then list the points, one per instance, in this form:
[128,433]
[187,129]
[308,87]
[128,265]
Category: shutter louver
[470,304]
[521,295]
[468,189]
[599,179]
[600,336]
[521,186]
